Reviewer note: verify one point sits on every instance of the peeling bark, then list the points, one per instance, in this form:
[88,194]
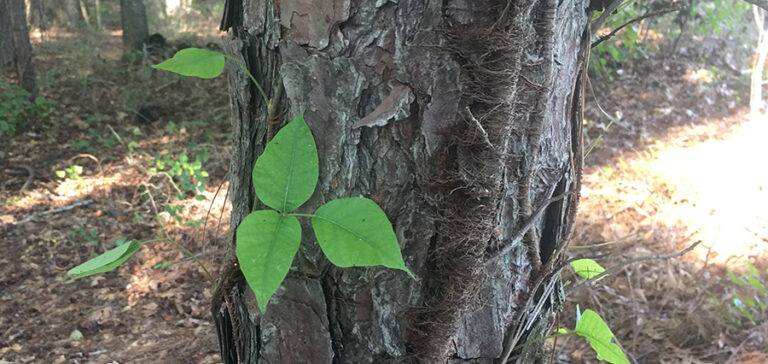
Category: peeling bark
[458,118]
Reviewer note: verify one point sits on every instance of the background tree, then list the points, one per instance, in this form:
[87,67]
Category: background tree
[756,84]
[7,53]
[133,17]
[37,16]
[462,120]
[74,17]
[19,50]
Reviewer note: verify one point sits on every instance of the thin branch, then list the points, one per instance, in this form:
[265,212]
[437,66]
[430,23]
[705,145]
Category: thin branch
[649,15]
[208,213]
[512,242]
[621,265]
[56,210]
[604,16]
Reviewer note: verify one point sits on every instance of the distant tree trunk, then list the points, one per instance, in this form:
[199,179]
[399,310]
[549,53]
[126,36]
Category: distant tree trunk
[460,118]
[22,49]
[171,5]
[7,51]
[97,5]
[133,17]
[756,84]
[73,13]
[37,15]
[84,12]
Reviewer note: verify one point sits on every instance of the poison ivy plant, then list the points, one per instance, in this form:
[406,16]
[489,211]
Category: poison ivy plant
[587,268]
[748,292]
[592,327]
[194,62]
[105,262]
[352,232]
[266,244]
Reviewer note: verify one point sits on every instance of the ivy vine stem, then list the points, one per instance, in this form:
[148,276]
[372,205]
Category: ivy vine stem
[303,215]
[245,69]
[194,257]
[186,251]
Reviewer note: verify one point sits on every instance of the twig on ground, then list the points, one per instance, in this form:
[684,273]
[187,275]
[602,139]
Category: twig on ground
[89,156]
[117,136]
[621,265]
[54,211]
[30,176]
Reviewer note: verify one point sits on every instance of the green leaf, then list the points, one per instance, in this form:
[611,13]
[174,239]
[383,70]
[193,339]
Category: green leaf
[355,232]
[194,62]
[266,244]
[735,279]
[592,327]
[105,262]
[740,305]
[587,268]
[757,284]
[752,269]
[285,175]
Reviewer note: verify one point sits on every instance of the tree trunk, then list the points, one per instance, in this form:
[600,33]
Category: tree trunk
[7,51]
[73,14]
[756,84]
[97,5]
[37,15]
[461,119]
[22,49]
[133,17]
[84,12]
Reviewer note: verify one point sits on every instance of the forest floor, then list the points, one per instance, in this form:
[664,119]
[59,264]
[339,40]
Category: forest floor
[680,164]
[126,139]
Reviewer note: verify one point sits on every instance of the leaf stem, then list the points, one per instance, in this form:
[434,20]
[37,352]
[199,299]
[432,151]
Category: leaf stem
[304,215]
[245,69]
[152,241]
[186,251]
[534,341]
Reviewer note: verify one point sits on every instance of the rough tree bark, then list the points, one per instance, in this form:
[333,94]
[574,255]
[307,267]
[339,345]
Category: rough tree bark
[21,48]
[7,52]
[460,118]
[133,17]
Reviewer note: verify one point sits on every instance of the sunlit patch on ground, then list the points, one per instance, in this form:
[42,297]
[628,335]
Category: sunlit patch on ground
[705,182]
[699,182]
[699,76]
[721,191]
